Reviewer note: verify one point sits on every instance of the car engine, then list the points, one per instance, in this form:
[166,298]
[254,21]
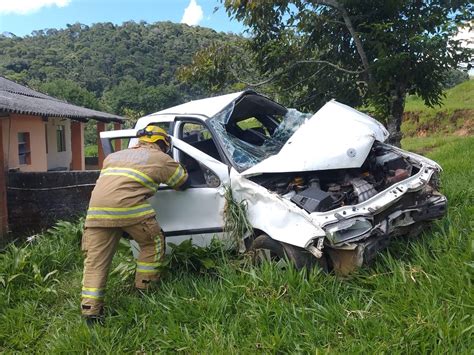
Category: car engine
[327,190]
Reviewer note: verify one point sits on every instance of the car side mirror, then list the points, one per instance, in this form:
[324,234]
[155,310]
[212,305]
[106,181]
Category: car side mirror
[212,180]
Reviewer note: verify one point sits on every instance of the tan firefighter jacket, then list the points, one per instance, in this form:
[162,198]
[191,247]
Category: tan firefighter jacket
[128,178]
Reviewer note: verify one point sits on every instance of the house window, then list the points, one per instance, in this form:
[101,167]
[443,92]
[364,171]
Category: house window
[24,153]
[61,138]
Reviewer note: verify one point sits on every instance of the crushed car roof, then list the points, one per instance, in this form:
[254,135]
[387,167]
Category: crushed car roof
[209,107]
[335,137]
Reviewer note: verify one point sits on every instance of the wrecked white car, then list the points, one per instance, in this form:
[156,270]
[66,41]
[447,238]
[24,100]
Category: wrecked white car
[320,189]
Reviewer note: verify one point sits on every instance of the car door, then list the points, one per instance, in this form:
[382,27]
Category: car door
[197,212]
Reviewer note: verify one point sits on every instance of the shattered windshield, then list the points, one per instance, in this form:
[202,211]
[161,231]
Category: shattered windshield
[250,140]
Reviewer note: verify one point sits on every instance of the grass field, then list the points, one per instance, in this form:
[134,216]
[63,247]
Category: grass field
[455,116]
[416,297]
[459,97]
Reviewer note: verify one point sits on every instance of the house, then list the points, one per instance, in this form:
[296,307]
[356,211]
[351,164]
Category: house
[42,153]
[42,133]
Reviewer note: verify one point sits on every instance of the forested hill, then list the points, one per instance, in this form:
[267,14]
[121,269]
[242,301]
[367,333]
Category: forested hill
[121,68]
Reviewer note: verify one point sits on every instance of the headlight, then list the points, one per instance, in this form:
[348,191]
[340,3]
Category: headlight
[347,230]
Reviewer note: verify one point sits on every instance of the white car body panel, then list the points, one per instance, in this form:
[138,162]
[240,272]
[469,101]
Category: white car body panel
[132,132]
[174,211]
[336,137]
[273,214]
[177,214]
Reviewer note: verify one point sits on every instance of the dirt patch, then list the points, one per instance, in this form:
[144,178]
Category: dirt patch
[467,129]
[462,114]
[411,116]
[422,124]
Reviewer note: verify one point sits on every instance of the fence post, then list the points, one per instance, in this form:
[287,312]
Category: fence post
[118,141]
[3,190]
[100,151]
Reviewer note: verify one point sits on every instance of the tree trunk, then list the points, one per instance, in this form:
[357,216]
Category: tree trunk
[355,37]
[394,122]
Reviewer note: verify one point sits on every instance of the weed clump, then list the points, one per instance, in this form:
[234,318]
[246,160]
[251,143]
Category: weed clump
[38,261]
[236,223]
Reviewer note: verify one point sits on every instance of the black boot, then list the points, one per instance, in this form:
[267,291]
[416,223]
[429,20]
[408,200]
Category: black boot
[94,319]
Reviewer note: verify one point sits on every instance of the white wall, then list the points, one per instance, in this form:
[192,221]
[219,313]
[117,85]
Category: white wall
[58,159]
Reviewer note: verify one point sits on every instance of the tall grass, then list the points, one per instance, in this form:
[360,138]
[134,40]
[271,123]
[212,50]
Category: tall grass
[416,297]
[460,97]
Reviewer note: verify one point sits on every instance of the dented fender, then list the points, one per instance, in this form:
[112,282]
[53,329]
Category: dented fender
[274,215]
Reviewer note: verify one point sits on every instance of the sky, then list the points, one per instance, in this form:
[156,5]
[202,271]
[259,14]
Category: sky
[21,17]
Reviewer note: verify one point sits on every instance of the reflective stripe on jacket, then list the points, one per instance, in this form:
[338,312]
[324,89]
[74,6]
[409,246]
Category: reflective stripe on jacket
[129,177]
[119,212]
[133,174]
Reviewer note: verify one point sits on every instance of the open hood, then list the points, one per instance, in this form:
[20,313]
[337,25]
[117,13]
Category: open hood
[335,137]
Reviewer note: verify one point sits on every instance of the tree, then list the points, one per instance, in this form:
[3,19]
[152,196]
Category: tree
[136,98]
[357,51]
[214,69]
[69,91]
[100,56]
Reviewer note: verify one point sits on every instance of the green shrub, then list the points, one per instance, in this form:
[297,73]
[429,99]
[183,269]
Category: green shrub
[455,77]
[91,151]
[38,261]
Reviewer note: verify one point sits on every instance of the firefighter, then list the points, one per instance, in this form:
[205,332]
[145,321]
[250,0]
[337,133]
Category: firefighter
[119,204]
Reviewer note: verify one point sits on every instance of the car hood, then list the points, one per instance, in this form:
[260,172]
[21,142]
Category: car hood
[335,137]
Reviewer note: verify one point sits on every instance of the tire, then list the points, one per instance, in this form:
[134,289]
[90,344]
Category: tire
[265,249]
[301,258]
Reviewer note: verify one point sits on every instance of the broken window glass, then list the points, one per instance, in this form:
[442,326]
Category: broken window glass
[290,123]
[243,154]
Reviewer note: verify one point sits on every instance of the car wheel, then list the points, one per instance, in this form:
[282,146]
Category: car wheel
[265,249]
[303,259]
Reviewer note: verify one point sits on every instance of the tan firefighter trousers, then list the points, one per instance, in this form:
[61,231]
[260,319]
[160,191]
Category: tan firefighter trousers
[99,245]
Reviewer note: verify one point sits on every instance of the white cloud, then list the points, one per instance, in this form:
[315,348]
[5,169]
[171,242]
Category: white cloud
[193,14]
[23,7]
[466,36]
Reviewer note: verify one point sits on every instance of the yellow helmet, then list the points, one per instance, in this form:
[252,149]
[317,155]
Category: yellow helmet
[153,134]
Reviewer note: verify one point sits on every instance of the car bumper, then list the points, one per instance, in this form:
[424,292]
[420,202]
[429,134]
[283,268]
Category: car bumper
[366,228]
